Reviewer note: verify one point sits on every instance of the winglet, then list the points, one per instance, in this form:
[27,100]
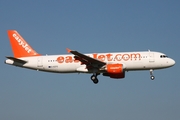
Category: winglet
[68,50]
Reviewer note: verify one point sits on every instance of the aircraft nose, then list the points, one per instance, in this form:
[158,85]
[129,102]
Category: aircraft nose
[172,62]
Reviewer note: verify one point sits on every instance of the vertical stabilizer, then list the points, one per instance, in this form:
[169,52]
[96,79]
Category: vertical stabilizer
[19,46]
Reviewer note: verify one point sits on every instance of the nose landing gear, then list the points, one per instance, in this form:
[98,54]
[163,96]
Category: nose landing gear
[151,73]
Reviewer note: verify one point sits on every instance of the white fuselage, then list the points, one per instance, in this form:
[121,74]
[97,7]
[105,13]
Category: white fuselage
[67,64]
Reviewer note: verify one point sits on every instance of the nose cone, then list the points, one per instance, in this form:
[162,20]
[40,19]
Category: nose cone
[172,62]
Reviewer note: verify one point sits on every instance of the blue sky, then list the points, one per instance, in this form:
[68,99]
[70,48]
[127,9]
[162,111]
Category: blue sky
[91,26]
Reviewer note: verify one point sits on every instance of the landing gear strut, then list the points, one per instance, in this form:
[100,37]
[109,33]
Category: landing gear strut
[94,79]
[151,73]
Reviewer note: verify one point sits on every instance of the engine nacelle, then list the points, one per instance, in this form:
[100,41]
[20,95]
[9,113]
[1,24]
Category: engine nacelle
[114,71]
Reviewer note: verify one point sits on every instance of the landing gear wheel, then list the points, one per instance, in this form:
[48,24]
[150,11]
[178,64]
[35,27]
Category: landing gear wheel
[94,79]
[152,77]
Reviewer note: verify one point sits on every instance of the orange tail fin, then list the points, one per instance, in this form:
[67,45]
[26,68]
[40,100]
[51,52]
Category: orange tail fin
[19,46]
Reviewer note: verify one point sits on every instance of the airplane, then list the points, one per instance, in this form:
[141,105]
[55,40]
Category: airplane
[113,65]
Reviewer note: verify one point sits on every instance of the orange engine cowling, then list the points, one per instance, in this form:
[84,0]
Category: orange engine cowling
[115,71]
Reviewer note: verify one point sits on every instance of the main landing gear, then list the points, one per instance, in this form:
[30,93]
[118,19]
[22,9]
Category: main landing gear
[151,73]
[94,78]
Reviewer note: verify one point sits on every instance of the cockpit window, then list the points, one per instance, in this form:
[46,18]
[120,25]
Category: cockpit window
[163,56]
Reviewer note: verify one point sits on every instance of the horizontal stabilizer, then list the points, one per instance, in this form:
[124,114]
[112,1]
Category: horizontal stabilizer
[17,60]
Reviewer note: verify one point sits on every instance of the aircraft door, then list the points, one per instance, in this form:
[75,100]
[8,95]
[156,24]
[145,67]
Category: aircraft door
[39,62]
[151,57]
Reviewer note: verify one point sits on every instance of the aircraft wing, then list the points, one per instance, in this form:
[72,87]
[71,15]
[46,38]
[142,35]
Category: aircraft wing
[89,61]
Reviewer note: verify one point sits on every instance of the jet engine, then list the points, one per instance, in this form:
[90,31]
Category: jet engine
[114,71]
